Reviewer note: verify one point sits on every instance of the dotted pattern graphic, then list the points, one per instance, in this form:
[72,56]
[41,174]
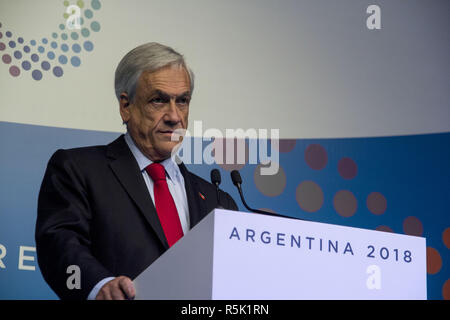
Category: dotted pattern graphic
[52,54]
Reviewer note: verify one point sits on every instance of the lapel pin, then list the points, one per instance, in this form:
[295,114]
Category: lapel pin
[201,195]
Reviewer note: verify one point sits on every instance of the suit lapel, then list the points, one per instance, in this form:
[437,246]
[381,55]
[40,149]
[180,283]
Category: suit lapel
[197,208]
[127,172]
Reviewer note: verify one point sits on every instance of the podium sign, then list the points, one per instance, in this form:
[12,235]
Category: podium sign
[239,255]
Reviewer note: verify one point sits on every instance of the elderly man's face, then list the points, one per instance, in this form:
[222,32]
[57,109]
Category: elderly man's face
[161,106]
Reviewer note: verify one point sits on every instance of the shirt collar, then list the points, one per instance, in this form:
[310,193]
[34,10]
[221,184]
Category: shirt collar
[172,169]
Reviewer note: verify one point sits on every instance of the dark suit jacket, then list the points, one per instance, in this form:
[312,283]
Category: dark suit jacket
[95,211]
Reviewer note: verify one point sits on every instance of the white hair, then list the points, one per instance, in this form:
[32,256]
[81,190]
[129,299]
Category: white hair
[147,57]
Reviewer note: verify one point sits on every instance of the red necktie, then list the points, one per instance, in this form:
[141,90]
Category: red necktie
[165,206]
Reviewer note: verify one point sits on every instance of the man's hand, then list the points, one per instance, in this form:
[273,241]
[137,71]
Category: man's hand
[120,288]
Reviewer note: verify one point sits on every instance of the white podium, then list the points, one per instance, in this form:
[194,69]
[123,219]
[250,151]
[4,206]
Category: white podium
[239,255]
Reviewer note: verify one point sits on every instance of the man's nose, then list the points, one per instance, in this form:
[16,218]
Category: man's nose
[172,113]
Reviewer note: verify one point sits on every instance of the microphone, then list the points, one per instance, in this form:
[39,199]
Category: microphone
[237,181]
[216,180]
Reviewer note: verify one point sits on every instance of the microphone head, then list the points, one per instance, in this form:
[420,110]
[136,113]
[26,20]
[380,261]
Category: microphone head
[215,177]
[236,178]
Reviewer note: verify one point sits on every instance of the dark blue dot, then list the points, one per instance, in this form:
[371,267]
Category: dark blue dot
[58,71]
[8,34]
[45,65]
[41,49]
[12,44]
[51,55]
[20,40]
[33,42]
[62,59]
[88,46]
[34,57]
[76,48]
[18,54]
[26,65]
[54,45]
[75,61]
[64,47]
[26,49]
[44,41]
[37,75]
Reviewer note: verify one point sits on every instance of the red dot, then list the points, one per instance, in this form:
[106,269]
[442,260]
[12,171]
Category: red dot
[6,58]
[446,290]
[412,226]
[347,168]
[376,203]
[14,71]
[384,228]
[316,156]
[446,237]
[434,261]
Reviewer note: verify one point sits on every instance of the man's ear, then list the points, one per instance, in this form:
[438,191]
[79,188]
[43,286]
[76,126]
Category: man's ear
[124,103]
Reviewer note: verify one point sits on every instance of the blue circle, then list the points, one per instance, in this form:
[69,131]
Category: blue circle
[58,71]
[88,13]
[75,61]
[54,45]
[26,49]
[20,40]
[33,42]
[26,65]
[8,34]
[34,57]
[44,40]
[76,48]
[81,21]
[95,26]
[85,32]
[95,4]
[18,54]
[64,47]
[41,49]
[51,55]
[64,36]
[12,44]
[54,35]
[37,75]
[61,26]
[62,59]
[88,46]
[45,65]
[74,35]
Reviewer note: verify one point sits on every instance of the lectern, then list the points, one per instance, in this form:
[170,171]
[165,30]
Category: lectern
[239,255]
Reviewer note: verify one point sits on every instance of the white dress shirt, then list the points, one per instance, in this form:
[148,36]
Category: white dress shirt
[177,189]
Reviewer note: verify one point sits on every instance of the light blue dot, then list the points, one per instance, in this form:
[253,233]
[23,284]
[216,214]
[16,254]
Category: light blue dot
[54,45]
[88,13]
[61,26]
[76,48]
[74,35]
[33,42]
[41,49]
[85,32]
[95,26]
[88,46]
[75,61]
[62,59]
[81,21]
[51,55]
[96,5]
[54,35]
[64,36]
[44,41]
[64,47]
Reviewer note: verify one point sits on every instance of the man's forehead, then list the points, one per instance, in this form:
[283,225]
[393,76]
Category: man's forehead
[171,80]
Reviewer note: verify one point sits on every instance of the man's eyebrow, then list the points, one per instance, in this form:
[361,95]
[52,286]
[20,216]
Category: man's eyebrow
[165,95]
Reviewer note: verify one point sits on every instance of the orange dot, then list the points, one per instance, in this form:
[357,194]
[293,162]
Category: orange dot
[446,237]
[412,226]
[434,261]
[446,290]
[384,228]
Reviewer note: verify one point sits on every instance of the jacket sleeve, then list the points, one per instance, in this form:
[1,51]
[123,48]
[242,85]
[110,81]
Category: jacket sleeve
[63,230]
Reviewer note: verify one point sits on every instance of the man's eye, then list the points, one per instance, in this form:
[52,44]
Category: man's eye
[156,100]
[183,101]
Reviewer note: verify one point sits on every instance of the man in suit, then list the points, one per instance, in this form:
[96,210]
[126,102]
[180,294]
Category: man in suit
[112,210]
